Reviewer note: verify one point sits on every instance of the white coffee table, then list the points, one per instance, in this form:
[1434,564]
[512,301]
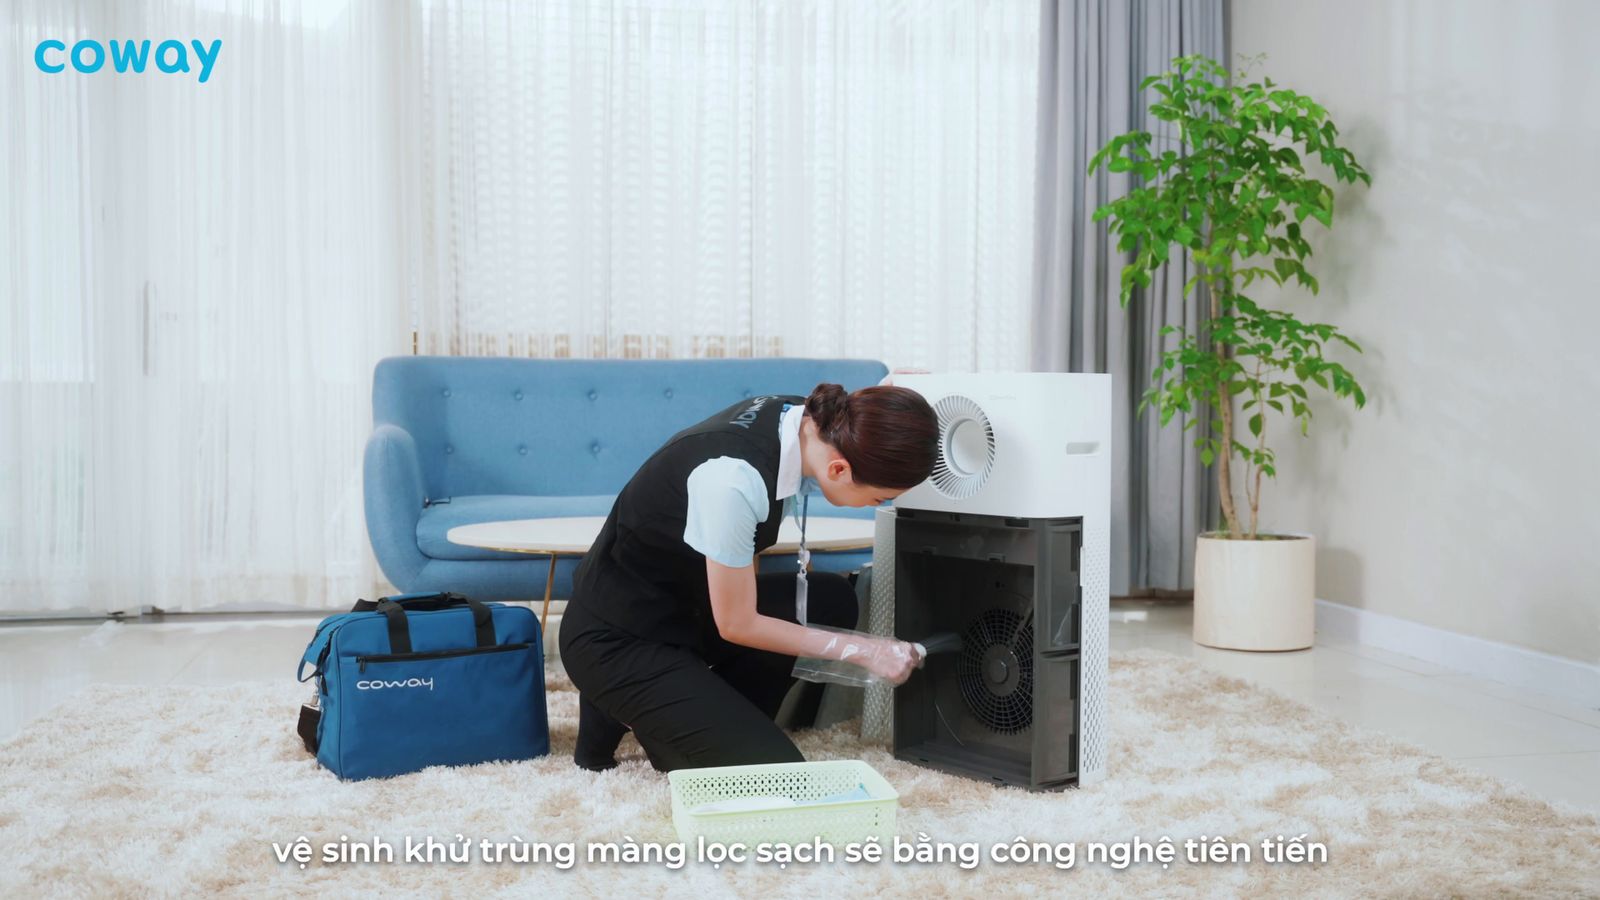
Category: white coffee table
[572,536]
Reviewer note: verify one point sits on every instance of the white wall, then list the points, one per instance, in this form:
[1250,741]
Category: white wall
[1467,495]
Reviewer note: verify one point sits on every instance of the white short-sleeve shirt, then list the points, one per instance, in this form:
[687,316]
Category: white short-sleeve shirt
[728,499]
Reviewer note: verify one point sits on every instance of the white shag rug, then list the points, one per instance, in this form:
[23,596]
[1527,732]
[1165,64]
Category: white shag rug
[141,791]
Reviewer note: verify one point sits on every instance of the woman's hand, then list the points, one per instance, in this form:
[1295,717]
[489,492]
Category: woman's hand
[892,660]
[733,606]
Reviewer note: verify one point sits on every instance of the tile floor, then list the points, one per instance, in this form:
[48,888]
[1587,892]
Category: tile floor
[1550,746]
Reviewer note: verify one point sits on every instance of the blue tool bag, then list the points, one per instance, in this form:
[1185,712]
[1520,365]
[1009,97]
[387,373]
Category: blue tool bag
[422,680]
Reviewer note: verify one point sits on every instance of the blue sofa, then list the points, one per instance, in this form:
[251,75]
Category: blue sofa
[460,440]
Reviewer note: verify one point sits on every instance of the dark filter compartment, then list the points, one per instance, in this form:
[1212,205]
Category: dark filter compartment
[1003,707]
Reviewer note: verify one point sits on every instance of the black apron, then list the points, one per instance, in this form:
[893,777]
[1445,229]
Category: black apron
[639,575]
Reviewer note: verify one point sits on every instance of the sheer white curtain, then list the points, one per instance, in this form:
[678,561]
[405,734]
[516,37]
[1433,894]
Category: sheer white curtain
[195,282]
[894,172]
[723,178]
[196,279]
[582,169]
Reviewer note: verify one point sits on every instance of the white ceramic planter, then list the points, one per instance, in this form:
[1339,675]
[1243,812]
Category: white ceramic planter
[1255,595]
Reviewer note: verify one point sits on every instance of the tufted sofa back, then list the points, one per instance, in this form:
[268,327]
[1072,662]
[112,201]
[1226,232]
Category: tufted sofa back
[553,427]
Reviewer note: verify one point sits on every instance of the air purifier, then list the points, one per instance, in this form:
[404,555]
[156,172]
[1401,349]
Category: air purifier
[1006,547]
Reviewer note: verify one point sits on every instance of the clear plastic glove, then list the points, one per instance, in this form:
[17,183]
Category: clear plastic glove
[892,660]
[858,659]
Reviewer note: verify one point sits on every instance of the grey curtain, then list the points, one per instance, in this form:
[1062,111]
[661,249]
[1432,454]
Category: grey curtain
[1092,55]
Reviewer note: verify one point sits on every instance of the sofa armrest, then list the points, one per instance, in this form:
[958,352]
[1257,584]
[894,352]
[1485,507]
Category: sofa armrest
[394,494]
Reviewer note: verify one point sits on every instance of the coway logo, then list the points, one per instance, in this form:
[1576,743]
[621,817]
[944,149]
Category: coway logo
[374,684]
[748,415]
[90,56]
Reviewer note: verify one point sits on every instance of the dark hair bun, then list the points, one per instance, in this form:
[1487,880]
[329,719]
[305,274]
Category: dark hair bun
[829,407]
[889,435]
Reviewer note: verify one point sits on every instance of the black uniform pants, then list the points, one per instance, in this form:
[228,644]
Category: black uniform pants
[689,709]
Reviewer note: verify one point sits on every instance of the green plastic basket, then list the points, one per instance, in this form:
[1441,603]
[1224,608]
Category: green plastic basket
[840,822]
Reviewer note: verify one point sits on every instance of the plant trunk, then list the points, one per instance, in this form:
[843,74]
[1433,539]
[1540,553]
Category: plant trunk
[1225,458]
[1255,504]
[1257,467]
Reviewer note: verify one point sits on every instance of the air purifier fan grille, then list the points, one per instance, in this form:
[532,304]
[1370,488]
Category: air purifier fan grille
[995,670]
[966,447]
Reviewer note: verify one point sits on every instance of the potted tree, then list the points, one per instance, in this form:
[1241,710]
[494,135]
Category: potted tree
[1237,197]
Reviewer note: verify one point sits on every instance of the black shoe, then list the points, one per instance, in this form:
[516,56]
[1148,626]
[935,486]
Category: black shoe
[594,764]
[598,737]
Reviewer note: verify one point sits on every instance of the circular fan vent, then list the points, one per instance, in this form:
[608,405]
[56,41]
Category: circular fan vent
[995,670]
[966,447]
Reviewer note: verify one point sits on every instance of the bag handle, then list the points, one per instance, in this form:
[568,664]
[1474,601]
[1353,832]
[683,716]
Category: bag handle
[400,631]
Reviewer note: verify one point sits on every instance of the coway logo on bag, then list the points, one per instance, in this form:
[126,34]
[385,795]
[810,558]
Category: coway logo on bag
[374,684]
[89,56]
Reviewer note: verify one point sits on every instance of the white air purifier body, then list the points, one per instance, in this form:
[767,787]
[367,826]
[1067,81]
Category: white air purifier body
[1008,544]
[1050,435]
